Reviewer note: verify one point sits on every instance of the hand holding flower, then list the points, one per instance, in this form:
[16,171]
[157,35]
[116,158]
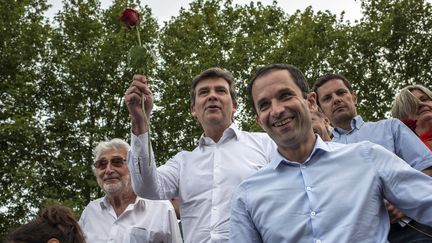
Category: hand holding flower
[139,91]
[134,96]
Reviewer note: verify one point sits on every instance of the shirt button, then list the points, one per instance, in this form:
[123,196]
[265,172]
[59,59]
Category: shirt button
[312,213]
[318,241]
[303,166]
[308,188]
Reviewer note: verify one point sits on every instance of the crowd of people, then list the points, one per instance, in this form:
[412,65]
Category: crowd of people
[319,173]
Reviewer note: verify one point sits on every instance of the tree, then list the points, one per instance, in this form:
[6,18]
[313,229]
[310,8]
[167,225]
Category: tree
[64,94]
[24,33]
[62,85]
[392,50]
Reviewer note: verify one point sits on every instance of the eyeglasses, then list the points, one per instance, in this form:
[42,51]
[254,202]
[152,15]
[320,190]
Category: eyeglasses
[103,163]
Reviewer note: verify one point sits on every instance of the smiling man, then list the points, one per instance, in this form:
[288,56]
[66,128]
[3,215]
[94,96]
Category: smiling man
[338,101]
[120,216]
[205,178]
[316,191]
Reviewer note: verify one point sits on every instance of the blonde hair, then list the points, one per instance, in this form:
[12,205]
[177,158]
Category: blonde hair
[405,103]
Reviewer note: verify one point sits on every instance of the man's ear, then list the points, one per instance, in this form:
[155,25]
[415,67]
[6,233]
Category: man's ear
[354,97]
[193,112]
[235,105]
[311,98]
[258,121]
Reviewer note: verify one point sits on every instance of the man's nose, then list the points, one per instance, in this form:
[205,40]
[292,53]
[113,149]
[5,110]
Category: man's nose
[276,109]
[109,167]
[336,99]
[212,95]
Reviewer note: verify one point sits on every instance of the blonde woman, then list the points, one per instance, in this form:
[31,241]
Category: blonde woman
[413,106]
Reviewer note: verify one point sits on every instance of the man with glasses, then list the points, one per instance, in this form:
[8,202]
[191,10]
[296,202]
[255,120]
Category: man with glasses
[121,216]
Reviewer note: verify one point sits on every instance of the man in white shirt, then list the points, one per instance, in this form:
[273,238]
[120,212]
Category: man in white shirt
[205,178]
[120,216]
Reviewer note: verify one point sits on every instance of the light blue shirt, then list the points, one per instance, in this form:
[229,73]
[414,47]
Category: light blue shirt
[391,134]
[336,195]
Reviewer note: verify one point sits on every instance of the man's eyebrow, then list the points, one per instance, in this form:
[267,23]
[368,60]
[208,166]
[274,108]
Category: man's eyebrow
[203,88]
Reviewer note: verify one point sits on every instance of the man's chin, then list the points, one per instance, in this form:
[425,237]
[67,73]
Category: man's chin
[112,187]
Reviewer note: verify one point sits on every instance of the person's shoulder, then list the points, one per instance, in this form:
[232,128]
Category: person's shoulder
[360,146]
[335,145]
[377,122]
[94,205]
[384,122]
[257,136]
[96,201]
[257,178]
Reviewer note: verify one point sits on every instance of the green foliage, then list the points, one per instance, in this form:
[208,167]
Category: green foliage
[62,84]
[23,37]
[64,87]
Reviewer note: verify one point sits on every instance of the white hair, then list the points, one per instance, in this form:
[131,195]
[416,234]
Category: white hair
[104,146]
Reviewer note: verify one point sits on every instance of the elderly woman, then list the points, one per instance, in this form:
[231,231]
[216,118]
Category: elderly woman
[413,106]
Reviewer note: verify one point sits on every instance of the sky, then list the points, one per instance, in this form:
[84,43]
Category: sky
[163,10]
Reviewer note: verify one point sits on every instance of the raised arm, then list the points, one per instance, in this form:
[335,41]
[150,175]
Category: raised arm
[137,91]
[147,181]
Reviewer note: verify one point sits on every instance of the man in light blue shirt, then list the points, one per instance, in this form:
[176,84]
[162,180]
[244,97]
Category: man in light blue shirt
[337,100]
[316,191]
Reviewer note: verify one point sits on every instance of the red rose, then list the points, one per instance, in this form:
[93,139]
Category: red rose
[130,17]
[410,123]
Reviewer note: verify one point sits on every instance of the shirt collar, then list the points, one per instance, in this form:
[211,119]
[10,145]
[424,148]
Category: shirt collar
[278,159]
[230,132]
[105,203]
[356,123]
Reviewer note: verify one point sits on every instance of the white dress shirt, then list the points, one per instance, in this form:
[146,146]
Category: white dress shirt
[204,178]
[143,221]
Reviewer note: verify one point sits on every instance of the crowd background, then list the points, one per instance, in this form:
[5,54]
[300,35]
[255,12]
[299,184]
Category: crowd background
[62,81]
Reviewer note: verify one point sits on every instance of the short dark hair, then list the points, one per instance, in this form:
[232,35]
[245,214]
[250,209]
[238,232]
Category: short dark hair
[214,72]
[327,77]
[296,74]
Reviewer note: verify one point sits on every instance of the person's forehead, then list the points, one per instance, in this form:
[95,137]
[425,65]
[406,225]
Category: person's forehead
[113,152]
[281,78]
[209,82]
[333,84]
